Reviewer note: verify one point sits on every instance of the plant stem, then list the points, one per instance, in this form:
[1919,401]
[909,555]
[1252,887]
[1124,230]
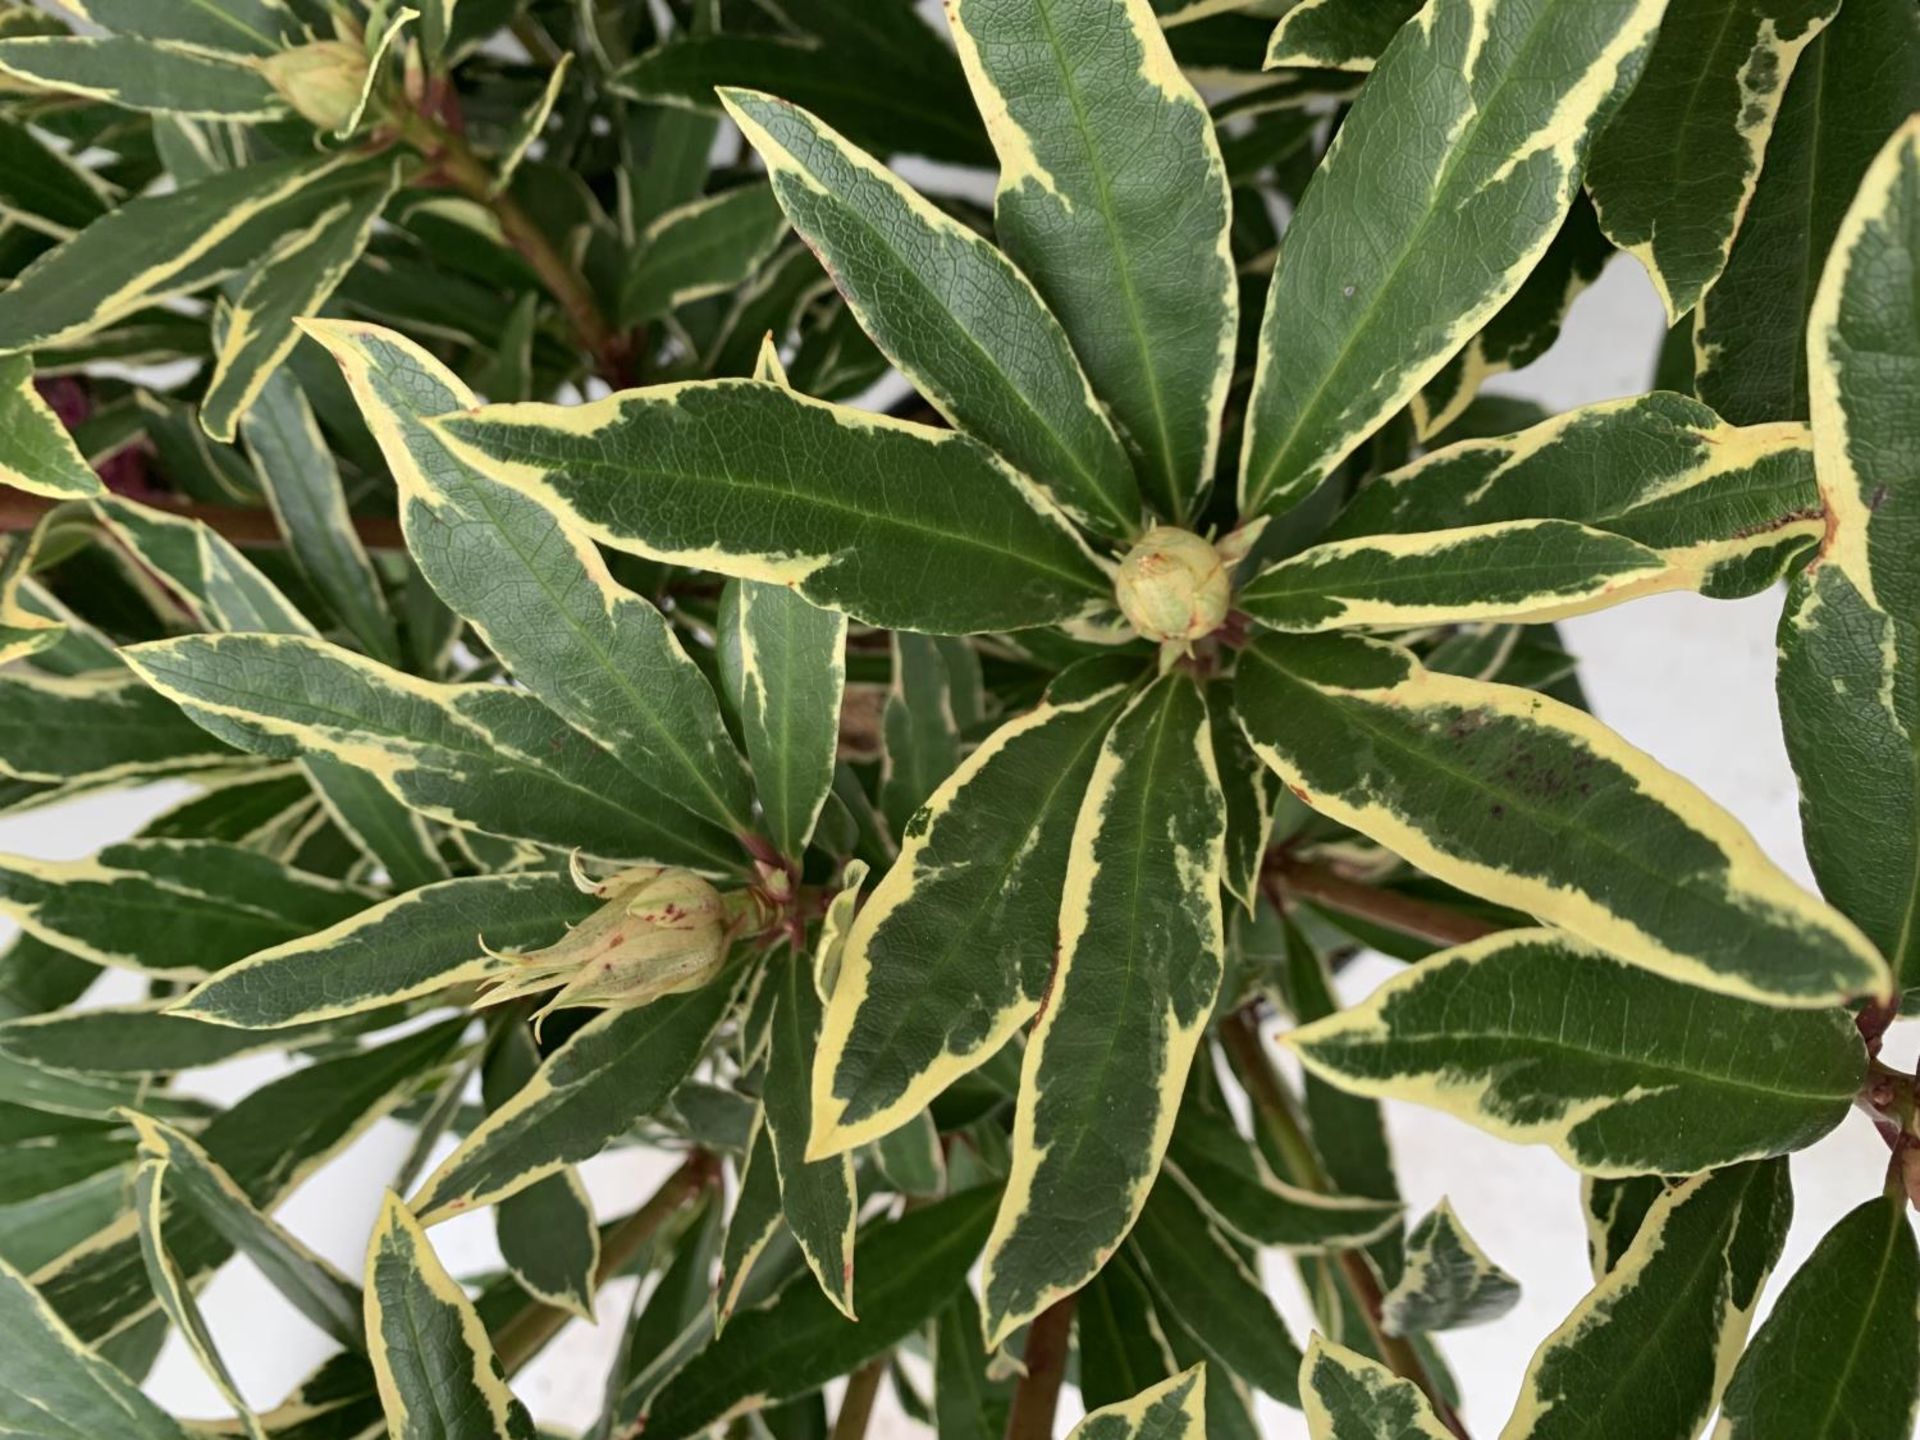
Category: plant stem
[1273,1110]
[20,511]
[1038,1394]
[856,1406]
[468,174]
[1419,918]
[527,1333]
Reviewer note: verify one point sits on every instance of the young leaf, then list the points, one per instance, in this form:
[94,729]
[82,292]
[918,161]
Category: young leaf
[1336,34]
[1349,1397]
[46,1370]
[1835,1358]
[953,951]
[316,1289]
[1448,1281]
[293,279]
[799,1341]
[1482,113]
[785,668]
[818,1197]
[1477,783]
[703,248]
[475,755]
[619,1067]
[1856,83]
[603,658]
[1849,678]
[414,945]
[141,74]
[36,452]
[1172,1410]
[439,1378]
[1649,1349]
[1113,199]
[182,908]
[975,338]
[1540,1039]
[897,524]
[1727,507]
[1139,966]
[546,1232]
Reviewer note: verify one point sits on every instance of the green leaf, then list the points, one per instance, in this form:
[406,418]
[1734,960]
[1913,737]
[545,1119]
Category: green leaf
[1230,1179]
[268,1142]
[1336,34]
[799,1341]
[1206,1285]
[953,951]
[180,908]
[756,1219]
[439,1378]
[1349,1397]
[1540,1039]
[415,945]
[1448,1281]
[42,188]
[155,247]
[1482,114]
[1727,507]
[818,1197]
[897,524]
[316,1289]
[950,311]
[1674,171]
[619,1067]
[1122,1338]
[1113,199]
[175,1296]
[706,247]
[293,279]
[603,658]
[1529,803]
[42,1152]
[137,74]
[922,734]
[32,1232]
[36,452]
[868,103]
[1139,966]
[968,1402]
[1857,81]
[245,26]
[139,1038]
[910,1159]
[99,728]
[47,1371]
[476,755]
[1514,570]
[785,669]
[1849,677]
[1835,1357]
[1172,1410]
[546,1232]
[1649,1349]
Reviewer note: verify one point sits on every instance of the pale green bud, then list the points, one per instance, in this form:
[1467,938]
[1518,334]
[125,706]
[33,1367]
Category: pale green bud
[1173,585]
[321,82]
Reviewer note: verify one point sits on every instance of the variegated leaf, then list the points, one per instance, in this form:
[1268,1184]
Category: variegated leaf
[474,755]
[540,594]
[1650,1348]
[1614,1209]
[1849,677]
[921,731]
[755,1221]
[975,338]
[1482,111]
[1448,1281]
[1113,200]
[138,74]
[1172,1410]
[896,524]
[1348,1397]
[1540,1039]
[101,729]
[953,952]
[36,452]
[143,1037]
[1526,801]
[1337,34]
[247,27]
[1139,966]
[1726,507]
[1673,172]
[703,248]
[439,1378]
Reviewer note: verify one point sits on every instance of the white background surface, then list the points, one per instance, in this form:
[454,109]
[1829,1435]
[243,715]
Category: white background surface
[1688,680]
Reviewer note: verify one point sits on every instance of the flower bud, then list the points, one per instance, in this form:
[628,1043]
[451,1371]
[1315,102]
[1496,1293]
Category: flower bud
[660,932]
[322,81]
[1173,586]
